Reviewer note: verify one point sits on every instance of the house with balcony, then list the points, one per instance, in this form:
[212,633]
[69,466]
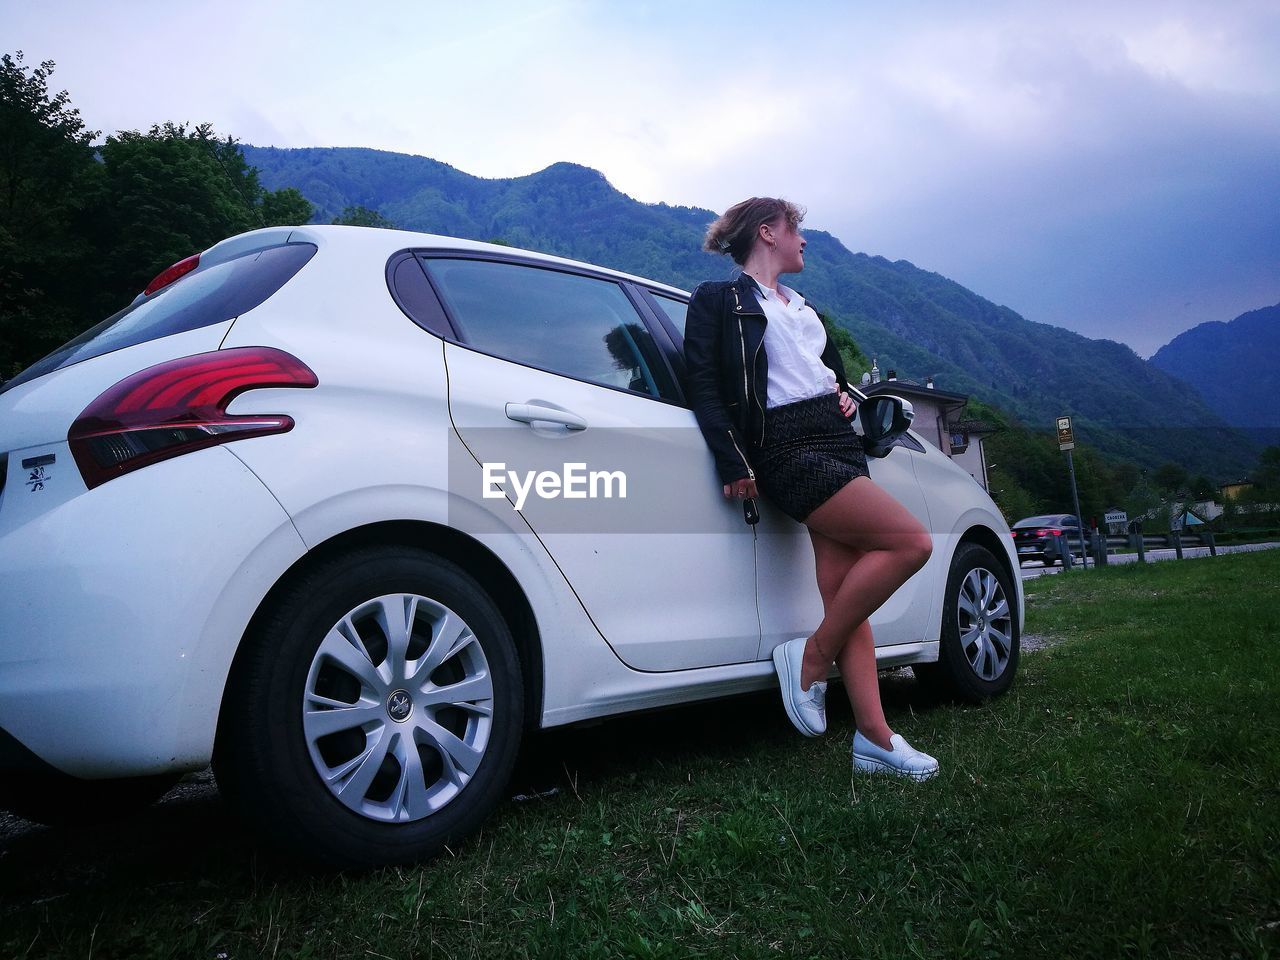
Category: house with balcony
[939,419]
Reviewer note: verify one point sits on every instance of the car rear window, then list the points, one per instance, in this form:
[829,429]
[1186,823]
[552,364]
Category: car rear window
[583,327]
[202,298]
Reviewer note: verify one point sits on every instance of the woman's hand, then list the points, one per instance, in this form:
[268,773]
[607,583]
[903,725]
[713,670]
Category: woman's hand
[746,487]
[847,404]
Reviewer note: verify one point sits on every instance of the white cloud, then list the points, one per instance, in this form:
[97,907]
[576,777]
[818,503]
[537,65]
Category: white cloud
[1048,155]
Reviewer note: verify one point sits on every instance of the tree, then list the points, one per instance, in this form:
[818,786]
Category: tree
[1126,476]
[1143,499]
[286,207]
[169,193]
[854,360]
[1267,476]
[1172,478]
[46,172]
[43,146]
[358,216]
[1033,477]
[82,231]
[1014,502]
[172,192]
[1202,488]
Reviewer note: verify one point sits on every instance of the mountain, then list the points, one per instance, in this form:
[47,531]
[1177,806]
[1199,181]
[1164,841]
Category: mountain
[1234,366]
[915,321]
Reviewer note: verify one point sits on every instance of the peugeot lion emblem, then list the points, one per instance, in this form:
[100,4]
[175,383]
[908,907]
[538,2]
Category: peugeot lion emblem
[399,706]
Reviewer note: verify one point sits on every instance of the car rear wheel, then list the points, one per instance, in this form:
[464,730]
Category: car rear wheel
[979,646]
[375,712]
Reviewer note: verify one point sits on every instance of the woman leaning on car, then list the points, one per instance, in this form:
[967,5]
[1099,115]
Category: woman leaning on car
[770,395]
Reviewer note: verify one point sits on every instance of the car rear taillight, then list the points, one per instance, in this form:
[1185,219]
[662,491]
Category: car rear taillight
[180,406]
[1048,533]
[170,274]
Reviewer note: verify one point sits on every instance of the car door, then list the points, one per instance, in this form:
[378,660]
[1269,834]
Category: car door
[555,374]
[790,605]
[786,581]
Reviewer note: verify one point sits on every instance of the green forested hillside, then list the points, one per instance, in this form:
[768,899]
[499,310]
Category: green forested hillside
[1233,366]
[915,321]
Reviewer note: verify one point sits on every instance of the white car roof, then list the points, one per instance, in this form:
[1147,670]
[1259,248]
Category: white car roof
[375,240]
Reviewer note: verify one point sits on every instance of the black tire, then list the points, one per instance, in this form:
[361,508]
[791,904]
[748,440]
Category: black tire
[59,800]
[955,674]
[270,770]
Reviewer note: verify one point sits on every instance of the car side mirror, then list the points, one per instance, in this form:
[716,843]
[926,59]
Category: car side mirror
[885,419]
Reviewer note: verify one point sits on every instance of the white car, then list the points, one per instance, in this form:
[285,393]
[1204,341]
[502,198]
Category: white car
[266,517]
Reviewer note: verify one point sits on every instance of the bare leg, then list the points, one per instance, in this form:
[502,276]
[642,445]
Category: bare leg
[892,545]
[857,661]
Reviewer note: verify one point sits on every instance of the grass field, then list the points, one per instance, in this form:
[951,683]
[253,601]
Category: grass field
[1123,800]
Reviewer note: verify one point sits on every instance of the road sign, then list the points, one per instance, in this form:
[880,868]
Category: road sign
[1066,438]
[1175,522]
[1116,516]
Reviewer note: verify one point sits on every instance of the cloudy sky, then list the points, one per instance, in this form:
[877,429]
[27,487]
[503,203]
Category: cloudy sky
[1110,168]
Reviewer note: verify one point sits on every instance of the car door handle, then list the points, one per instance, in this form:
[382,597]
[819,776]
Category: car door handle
[529,412]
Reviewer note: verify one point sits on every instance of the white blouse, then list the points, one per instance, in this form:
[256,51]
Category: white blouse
[793,338]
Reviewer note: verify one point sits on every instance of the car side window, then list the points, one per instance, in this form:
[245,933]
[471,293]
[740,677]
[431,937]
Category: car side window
[580,326]
[677,310]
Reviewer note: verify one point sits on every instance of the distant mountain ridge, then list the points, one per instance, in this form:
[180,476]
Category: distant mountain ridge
[917,322]
[1234,365]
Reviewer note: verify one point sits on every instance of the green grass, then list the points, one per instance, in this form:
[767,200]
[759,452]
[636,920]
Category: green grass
[1123,800]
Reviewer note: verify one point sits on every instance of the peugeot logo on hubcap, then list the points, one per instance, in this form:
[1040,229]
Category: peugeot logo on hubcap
[399,706]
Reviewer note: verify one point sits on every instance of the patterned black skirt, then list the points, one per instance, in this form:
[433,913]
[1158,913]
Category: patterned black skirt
[810,451]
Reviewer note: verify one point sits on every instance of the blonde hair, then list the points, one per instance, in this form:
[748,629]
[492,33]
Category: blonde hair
[734,232]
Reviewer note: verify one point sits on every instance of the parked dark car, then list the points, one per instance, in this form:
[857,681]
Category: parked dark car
[1046,537]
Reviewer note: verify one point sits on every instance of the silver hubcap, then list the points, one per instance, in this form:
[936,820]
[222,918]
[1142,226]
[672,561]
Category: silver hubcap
[986,628]
[398,707]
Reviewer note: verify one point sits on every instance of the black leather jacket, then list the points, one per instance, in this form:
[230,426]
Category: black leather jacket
[728,370]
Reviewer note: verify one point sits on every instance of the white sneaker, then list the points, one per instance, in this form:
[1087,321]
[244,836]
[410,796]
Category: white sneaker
[806,708]
[903,760]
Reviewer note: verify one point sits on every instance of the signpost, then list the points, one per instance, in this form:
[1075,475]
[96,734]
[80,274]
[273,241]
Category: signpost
[1066,439]
[1067,443]
[1117,521]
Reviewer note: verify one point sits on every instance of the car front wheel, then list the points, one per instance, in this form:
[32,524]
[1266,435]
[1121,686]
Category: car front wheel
[375,712]
[979,645]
